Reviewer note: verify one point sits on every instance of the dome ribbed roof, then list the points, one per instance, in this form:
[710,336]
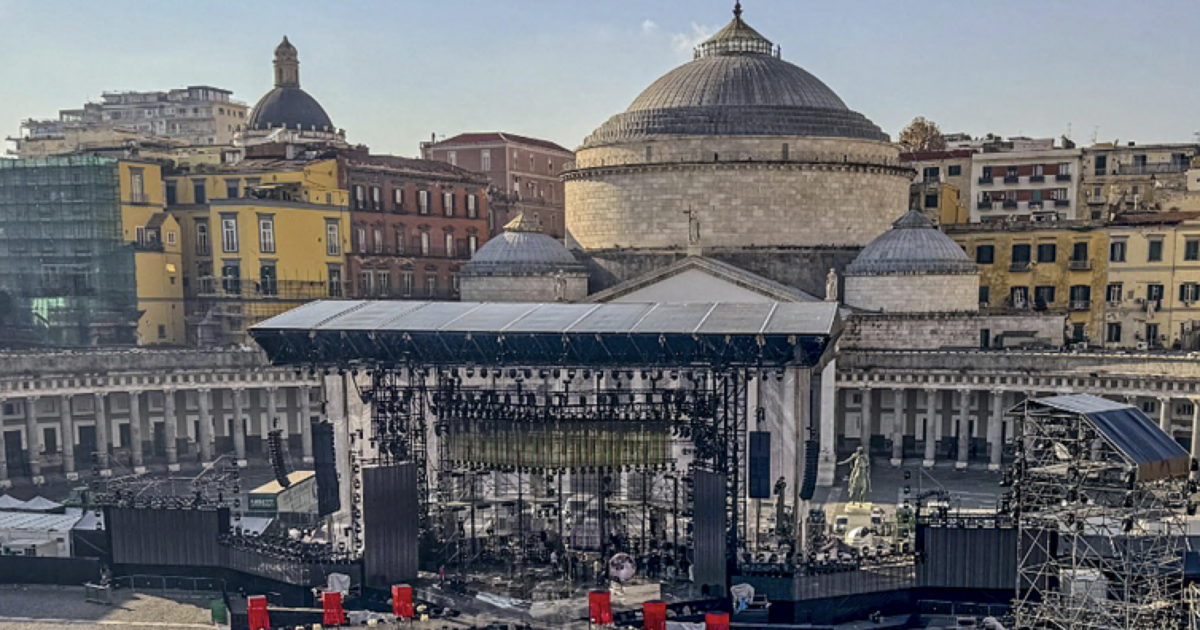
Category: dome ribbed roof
[522,249]
[289,107]
[912,246]
[737,85]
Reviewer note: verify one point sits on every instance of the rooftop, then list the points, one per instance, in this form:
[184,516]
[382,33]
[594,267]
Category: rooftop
[493,137]
[912,246]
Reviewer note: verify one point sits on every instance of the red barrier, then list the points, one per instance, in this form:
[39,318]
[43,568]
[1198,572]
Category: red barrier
[600,608]
[402,601]
[654,615]
[259,619]
[716,621]
[334,615]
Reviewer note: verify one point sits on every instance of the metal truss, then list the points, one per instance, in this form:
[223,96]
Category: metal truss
[1101,546]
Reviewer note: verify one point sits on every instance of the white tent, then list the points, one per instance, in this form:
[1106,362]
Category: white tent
[9,503]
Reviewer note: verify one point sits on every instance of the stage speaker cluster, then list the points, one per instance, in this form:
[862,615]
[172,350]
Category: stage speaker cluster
[275,454]
[811,462]
[325,465]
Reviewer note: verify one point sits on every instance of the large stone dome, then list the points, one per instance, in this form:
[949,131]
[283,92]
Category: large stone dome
[287,105]
[738,84]
[912,246]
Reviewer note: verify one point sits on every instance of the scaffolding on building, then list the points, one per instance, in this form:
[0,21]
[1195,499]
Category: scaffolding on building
[225,307]
[1101,494]
[63,257]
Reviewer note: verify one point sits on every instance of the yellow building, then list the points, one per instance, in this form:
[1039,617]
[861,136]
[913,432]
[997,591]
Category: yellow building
[158,254]
[259,237]
[1153,295]
[1059,266]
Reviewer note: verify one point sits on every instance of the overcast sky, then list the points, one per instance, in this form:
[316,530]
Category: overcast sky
[393,72]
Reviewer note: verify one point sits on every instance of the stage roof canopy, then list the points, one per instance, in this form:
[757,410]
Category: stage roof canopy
[345,333]
[1156,454]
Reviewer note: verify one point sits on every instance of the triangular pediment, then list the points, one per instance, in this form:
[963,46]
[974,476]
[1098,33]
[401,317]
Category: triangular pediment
[699,279]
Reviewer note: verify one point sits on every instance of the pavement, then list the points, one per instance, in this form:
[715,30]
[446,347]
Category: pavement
[55,607]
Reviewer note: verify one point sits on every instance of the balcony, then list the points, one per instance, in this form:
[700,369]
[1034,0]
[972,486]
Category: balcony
[985,205]
[1010,204]
[139,197]
[1019,265]
[1080,265]
[986,181]
[1081,305]
[1160,168]
[1097,200]
[1037,179]
[1062,177]
[1035,205]
[1062,203]
[1012,179]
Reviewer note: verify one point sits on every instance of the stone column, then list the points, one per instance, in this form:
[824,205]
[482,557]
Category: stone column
[66,438]
[995,431]
[864,427]
[171,430]
[1164,414]
[1196,433]
[206,426]
[102,431]
[4,481]
[964,427]
[33,441]
[826,435]
[135,432]
[931,419]
[239,426]
[306,423]
[898,420]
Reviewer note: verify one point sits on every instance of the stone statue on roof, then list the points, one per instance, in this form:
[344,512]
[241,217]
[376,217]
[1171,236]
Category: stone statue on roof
[693,226]
[831,285]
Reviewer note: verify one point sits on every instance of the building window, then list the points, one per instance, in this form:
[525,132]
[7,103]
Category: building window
[376,198]
[1079,252]
[1020,253]
[1114,293]
[454,282]
[472,206]
[1116,251]
[985,254]
[449,245]
[423,201]
[360,197]
[400,239]
[985,295]
[485,160]
[202,238]
[377,240]
[954,170]
[172,194]
[398,199]
[472,244]
[333,245]
[931,174]
[162,331]
[1189,292]
[137,185]
[1155,252]
[198,192]
[1047,252]
[1112,333]
[424,243]
[172,237]
[365,283]
[360,240]
[1043,297]
[1191,249]
[1152,335]
[407,284]
[231,189]
[931,201]
[1081,297]
[266,234]
[1154,293]
[452,158]
[1019,297]
[431,284]
[231,277]
[229,236]
[268,279]
[335,281]
[448,203]
[383,283]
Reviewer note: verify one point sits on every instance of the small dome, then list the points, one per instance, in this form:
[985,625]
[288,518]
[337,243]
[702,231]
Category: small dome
[289,107]
[522,249]
[737,85]
[912,246]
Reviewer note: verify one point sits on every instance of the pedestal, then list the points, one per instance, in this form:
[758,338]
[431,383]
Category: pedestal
[241,463]
[928,463]
[106,472]
[172,467]
[5,484]
[308,461]
[994,467]
[859,508]
[896,462]
[960,465]
[139,470]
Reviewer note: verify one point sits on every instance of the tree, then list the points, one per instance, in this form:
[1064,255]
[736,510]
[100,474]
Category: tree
[922,135]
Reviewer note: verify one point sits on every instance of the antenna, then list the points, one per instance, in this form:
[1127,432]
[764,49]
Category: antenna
[1095,133]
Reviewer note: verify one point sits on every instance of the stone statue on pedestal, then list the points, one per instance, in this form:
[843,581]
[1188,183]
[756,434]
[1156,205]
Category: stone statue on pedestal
[560,286]
[831,286]
[693,227]
[860,475]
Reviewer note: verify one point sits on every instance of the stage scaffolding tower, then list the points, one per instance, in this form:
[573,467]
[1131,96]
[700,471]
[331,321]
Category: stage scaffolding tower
[1101,516]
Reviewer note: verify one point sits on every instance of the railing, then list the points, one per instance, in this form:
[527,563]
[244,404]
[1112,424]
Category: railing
[136,197]
[1062,177]
[986,181]
[1035,205]
[1037,179]
[1158,168]
[1062,203]
[1097,200]
[1080,265]
[1081,305]
[1011,179]
[1019,265]
[1010,204]
[985,205]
